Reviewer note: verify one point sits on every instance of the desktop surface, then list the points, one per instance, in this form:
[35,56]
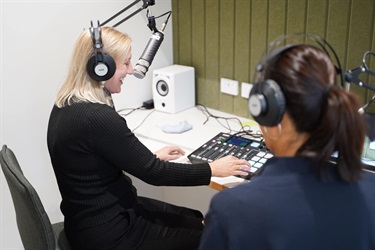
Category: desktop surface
[204,131]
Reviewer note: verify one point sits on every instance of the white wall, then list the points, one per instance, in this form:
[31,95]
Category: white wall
[37,38]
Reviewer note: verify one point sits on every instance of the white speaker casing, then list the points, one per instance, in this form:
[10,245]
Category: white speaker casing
[173,88]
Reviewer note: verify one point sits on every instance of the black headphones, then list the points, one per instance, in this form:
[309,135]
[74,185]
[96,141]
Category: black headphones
[267,102]
[100,66]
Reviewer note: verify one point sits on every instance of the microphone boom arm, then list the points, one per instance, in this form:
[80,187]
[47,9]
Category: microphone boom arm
[146,3]
[352,76]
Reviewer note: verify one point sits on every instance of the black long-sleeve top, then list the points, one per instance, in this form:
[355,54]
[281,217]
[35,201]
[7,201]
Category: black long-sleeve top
[90,146]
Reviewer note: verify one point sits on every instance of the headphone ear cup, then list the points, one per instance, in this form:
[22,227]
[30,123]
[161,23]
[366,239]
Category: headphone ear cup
[101,70]
[267,103]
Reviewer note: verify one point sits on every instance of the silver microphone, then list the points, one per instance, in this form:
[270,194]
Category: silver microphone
[148,54]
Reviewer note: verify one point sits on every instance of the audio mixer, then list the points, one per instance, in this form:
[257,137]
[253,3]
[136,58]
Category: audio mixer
[251,149]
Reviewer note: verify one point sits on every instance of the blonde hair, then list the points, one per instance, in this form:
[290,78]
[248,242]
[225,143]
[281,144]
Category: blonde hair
[78,85]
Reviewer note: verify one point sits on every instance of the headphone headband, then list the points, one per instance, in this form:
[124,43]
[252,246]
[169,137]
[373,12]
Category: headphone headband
[267,101]
[100,66]
[283,43]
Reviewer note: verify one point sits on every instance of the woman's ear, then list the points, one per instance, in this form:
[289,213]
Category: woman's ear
[273,132]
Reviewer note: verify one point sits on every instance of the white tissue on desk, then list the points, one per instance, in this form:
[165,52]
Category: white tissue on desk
[176,128]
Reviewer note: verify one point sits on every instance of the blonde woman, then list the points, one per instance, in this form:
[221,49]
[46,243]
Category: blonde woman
[90,146]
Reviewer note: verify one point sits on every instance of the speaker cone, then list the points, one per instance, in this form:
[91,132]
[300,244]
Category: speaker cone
[162,88]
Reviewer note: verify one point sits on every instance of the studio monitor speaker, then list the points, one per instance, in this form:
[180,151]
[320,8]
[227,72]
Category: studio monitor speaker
[173,88]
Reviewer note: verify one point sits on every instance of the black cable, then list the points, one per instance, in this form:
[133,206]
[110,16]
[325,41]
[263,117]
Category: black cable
[243,129]
[151,20]
[208,115]
[143,121]
[257,134]
[168,12]
[132,110]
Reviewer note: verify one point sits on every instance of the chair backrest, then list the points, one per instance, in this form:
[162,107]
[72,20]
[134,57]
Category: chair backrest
[33,223]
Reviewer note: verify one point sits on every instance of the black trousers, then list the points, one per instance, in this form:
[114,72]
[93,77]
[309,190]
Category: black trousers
[150,225]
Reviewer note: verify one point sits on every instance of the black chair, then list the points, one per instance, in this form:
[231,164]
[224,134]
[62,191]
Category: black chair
[33,223]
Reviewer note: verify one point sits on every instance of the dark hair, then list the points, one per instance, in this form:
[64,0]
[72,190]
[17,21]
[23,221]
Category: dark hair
[320,107]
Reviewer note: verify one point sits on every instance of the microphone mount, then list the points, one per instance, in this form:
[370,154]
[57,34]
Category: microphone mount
[352,76]
[154,43]
[152,24]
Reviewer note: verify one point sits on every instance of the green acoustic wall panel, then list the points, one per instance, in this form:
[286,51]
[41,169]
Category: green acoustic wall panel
[296,16]
[242,22]
[337,24]
[276,13]
[185,32]
[225,38]
[212,29]
[316,15]
[258,33]
[176,34]
[226,50]
[198,49]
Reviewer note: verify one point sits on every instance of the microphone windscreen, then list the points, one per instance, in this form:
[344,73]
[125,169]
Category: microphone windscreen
[141,68]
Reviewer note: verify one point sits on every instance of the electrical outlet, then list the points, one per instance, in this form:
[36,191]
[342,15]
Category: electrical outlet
[229,86]
[245,89]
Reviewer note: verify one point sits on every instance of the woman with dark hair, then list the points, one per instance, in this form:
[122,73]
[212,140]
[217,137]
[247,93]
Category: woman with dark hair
[300,200]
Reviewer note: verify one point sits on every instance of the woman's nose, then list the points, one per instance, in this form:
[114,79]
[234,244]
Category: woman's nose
[130,69]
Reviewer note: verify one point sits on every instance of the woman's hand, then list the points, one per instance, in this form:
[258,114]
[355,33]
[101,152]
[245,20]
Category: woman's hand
[169,153]
[229,165]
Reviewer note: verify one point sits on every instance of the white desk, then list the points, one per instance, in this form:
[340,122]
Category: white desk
[154,138]
[151,134]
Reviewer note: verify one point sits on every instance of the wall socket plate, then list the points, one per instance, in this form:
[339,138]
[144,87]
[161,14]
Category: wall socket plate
[229,86]
[245,89]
